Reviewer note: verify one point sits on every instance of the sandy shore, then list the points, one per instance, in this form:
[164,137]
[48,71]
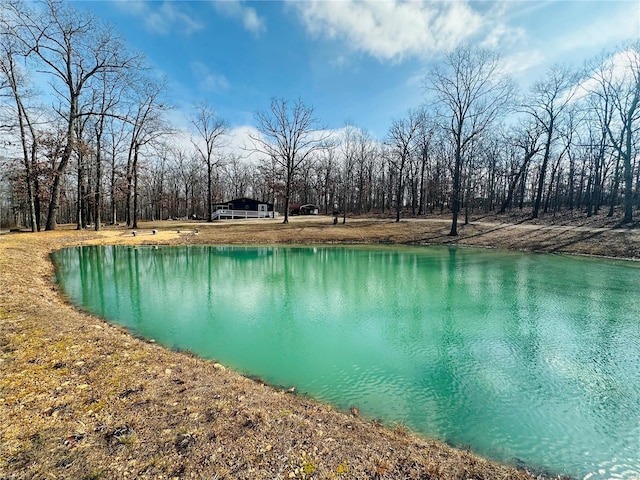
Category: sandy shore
[81,398]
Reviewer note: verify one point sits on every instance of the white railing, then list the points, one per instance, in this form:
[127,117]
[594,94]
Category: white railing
[233,214]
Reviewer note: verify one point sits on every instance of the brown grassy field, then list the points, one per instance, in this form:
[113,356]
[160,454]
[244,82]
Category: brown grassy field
[83,399]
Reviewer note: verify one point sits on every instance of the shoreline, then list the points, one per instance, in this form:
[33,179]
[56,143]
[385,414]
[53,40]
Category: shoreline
[83,398]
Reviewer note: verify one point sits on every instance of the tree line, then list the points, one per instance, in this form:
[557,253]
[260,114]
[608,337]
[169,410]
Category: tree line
[99,148]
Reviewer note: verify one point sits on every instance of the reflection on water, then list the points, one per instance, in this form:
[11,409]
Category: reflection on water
[525,358]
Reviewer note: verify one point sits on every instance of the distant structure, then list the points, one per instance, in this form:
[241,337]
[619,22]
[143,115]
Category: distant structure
[243,208]
[308,209]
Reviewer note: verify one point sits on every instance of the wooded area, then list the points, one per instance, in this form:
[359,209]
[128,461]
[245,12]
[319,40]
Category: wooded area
[100,148]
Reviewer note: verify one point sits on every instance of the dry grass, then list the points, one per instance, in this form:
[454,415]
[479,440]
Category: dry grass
[81,398]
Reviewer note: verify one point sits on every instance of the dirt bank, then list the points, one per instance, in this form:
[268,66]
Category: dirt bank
[80,398]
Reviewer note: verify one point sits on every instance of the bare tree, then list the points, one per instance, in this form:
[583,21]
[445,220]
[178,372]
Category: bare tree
[72,47]
[147,124]
[271,184]
[238,172]
[548,100]
[14,80]
[210,129]
[526,137]
[403,137]
[116,135]
[328,175]
[618,79]
[424,141]
[349,150]
[473,90]
[288,136]
[365,157]
[107,96]
[82,152]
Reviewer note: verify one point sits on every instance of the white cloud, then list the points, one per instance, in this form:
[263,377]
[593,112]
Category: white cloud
[207,79]
[618,26]
[236,142]
[161,17]
[620,69]
[239,142]
[522,62]
[238,10]
[500,35]
[583,37]
[394,29]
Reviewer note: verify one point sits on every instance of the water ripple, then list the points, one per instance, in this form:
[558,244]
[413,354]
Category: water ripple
[530,359]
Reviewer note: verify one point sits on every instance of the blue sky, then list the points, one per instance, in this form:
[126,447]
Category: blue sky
[353,61]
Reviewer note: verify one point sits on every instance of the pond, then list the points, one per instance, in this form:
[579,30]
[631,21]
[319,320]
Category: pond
[521,357]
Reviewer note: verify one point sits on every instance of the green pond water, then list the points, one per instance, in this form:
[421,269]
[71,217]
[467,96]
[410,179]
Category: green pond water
[524,358]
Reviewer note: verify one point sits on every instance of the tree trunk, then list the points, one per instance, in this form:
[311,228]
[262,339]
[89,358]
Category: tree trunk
[112,190]
[615,187]
[29,174]
[80,200]
[36,184]
[130,175]
[98,189]
[543,171]
[209,188]
[135,187]
[514,182]
[344,203]
[523,187]
[287,193]
[399,192]
[554,170]
[29,162]
[468,193]
[423,168]
[628,178]
[455,193]
[54,204]
[571,181]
